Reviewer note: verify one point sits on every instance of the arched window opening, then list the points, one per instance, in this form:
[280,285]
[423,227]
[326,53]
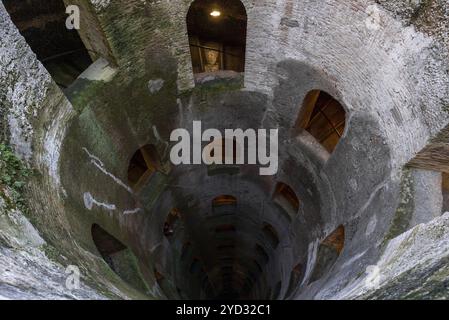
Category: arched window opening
[271,234]
[286,198]
[158,276]
[224,200]
[144,163]
[328,253]
[296,277]
[226,259]
[118,257]
[323,117]
[171,223]
[227,271]
[226,247]
[106,244]
[262,253]
[225,228]
[217,35]
[224,205]
[227,274]
[228,285]
[43,25]
[162,282]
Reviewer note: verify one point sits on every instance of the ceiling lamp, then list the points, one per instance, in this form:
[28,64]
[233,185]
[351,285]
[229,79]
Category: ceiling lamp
[215,13]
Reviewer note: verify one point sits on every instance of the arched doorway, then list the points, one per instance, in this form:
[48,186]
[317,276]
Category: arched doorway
[217,35]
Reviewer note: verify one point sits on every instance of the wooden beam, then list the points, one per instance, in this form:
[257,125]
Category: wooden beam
[435,156]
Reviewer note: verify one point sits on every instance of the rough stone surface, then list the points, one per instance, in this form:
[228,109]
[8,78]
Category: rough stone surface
[413,266]
[27,271]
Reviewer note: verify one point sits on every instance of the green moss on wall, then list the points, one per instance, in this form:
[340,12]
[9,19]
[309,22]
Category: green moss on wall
[13,175]
[403,215]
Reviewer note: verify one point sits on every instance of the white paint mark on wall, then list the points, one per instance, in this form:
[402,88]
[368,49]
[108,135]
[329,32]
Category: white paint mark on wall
[100,165]
[374,194]
[134,211]
[155,85]
[153,248]
[89,202]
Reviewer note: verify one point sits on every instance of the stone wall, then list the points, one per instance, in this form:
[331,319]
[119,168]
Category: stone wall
[390,76]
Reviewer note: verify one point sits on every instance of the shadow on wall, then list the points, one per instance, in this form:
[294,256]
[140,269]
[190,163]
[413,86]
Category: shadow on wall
[118,257]
[328,253]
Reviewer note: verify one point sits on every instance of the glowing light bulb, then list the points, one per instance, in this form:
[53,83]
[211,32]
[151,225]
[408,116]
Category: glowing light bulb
[215,13]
